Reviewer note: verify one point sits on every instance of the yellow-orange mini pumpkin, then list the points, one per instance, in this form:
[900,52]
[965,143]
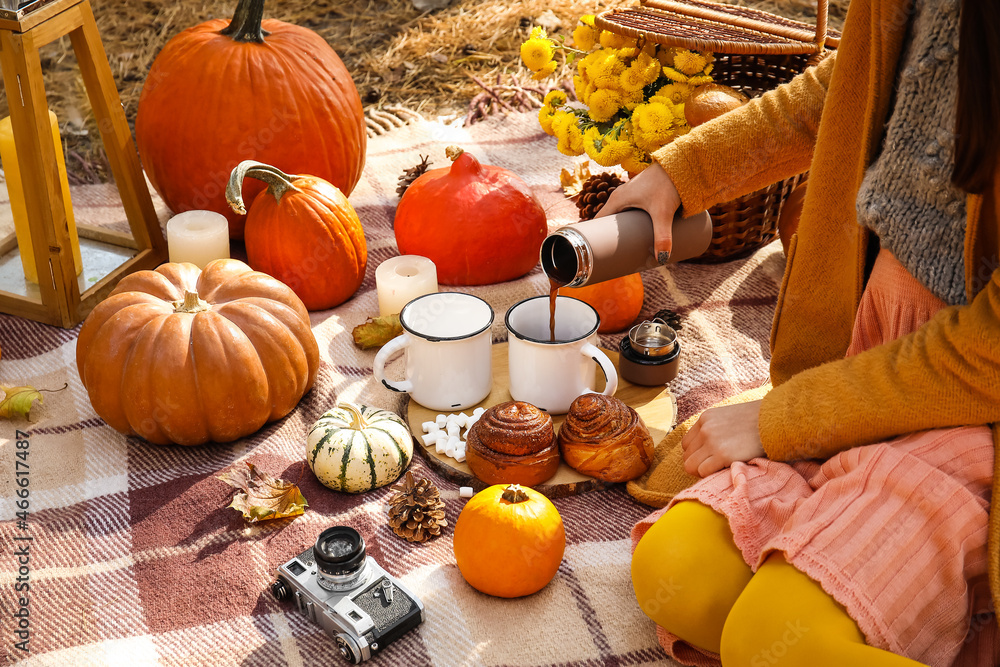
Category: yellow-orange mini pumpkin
[180,355]
[304,232]
[509,541]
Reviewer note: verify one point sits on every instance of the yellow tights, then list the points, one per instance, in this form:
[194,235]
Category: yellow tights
[691,579]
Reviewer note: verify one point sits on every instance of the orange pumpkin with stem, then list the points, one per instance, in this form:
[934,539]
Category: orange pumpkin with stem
[247,89]
[304,232]
[509,541]
[181,355]
[618,301]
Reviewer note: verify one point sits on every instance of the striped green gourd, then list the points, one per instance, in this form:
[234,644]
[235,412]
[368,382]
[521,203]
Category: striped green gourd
[357,448]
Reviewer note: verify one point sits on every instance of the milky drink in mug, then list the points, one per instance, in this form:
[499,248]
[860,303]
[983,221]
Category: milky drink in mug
[550,369]
[447,341]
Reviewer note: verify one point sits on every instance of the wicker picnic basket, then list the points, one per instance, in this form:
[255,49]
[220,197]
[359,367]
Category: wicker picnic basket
[755,51]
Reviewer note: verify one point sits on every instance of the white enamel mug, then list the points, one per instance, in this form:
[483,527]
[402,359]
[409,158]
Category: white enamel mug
[448,357]
[551,374]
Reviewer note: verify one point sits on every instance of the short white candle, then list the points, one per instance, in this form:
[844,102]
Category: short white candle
[198,237]
[399,280]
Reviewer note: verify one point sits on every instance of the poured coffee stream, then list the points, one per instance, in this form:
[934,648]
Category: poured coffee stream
[553,293]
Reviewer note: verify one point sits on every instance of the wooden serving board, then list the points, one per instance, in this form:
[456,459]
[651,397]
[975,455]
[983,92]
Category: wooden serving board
[656,406]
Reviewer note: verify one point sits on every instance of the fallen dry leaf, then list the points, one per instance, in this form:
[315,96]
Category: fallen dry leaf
[572,181]
[377,331]
[263,497]
[17,401]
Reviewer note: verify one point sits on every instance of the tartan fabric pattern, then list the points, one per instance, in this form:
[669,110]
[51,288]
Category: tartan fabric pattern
[135,559]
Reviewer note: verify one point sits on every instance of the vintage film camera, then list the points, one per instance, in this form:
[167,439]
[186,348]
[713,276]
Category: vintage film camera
[337,585]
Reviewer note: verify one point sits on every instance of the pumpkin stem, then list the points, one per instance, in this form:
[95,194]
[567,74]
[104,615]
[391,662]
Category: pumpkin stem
[245,26]
[453,152]
[278,182]
[514,494]
[192,303]
[357,419]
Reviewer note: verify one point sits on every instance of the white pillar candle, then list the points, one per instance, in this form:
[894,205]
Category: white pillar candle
[198,237]
[399,280]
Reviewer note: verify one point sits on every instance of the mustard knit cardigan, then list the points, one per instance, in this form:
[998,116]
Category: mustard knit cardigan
[830,121]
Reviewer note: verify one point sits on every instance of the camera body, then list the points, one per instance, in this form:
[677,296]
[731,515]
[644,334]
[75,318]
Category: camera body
[360,605]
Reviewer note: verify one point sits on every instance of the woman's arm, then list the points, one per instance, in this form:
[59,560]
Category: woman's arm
[769,139]
[947,373]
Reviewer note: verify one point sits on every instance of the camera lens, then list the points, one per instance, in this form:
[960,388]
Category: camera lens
[340,557]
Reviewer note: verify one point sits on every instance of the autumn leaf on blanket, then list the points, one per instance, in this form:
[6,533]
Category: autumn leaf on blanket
[572,181]
[17,401]
[377,331]
[261,496]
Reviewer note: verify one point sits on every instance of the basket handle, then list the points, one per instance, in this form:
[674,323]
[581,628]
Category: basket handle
[706,11]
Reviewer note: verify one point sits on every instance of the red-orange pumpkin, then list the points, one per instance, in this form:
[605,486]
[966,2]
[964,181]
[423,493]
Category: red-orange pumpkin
[304,232]
[189,356]
[479,224]
[220,93]
[617,301]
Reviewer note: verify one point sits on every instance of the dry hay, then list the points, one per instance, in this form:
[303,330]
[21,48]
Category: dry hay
[434,63]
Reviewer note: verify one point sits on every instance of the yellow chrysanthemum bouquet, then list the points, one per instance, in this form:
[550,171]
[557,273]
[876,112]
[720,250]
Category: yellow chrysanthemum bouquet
[633,92]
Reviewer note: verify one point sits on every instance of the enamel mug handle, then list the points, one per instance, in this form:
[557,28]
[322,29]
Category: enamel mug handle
[383,356]
[610,374]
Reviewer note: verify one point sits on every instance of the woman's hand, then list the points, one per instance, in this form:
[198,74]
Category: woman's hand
[653,192]
[721,436]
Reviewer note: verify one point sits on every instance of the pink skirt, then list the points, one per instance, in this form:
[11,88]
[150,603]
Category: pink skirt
[895,531]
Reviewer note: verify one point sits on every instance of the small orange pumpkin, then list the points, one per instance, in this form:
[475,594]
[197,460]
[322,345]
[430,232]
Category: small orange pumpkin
[618,301]
[509,541]
[304,232]
[189,356]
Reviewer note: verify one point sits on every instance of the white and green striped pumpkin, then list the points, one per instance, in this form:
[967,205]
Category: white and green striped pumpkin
[357,448]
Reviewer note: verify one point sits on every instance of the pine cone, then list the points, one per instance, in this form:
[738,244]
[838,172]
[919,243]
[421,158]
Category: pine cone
[416,511]
[595,193]
[412,174]
[672,319]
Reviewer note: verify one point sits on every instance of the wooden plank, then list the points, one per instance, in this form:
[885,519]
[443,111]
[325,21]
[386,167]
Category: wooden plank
[32,17]
[8,244]
[117,136]
[49,228]
[104,235]
[655,405]
[29,309]
[59,25]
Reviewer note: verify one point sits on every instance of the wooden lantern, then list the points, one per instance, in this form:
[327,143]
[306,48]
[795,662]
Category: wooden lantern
[60,297]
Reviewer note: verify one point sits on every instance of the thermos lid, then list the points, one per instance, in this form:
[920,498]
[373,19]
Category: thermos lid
[652,338]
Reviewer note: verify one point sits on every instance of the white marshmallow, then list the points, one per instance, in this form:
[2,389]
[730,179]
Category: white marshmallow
[441,421]
[465,492]
[477,412]
[460,455]
[430,438]
[454,430]
[429,427]
[441,443]
[462,419]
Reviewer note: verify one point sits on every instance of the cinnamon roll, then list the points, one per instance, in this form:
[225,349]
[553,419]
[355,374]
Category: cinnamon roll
[604,438]
[512,443]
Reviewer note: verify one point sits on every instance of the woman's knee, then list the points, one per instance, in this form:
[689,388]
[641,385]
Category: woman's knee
[687,573]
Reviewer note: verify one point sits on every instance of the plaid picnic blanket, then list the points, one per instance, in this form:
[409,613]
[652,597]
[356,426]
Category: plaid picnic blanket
[126,553]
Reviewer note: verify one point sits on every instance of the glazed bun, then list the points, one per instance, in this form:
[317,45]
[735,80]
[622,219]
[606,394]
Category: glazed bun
[512,443]
[604,438]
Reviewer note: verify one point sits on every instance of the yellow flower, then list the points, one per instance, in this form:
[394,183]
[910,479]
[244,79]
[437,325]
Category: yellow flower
[571,141]
[561,121]
[545,72]
[689,62]
[631,100]
[545,118]
[608,82]
[675,92]
[674,75]
[610,40]
[699,80]
[538,32]
[635,160]
[603,63]
[584,36]
[580,88]
[598,148]
[652,125]
[665,55]
[643,71]
[555,98]
[587,20]
[537,53]
[604,104]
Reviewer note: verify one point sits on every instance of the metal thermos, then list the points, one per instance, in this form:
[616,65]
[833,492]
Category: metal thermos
[617,245]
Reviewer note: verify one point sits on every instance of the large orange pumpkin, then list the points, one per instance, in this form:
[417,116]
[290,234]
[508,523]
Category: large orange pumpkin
[223,92]
[304,232]
[618,301]
[478,223]
[188,356]
[509,541]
